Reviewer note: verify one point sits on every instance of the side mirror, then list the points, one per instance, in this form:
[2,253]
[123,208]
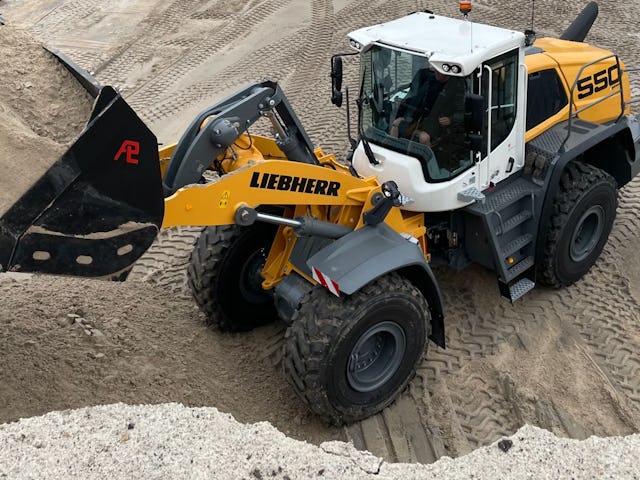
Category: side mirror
[474,115]
[474,142]
[336,80]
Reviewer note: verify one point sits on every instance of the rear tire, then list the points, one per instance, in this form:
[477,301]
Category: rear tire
[583,213]
[224,276]
[350,357]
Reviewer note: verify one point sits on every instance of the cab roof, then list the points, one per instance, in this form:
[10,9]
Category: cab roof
[441,39]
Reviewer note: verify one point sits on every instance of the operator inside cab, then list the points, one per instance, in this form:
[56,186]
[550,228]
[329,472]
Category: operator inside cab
[416,110]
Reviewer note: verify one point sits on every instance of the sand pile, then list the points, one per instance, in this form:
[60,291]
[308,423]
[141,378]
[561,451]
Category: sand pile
[42,110]
[172,441]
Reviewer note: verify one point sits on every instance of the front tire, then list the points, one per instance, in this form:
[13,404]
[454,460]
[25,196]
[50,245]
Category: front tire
[224,276]
[583,213]
[350,357]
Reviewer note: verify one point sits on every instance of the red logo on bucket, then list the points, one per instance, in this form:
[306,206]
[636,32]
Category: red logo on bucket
[130,149]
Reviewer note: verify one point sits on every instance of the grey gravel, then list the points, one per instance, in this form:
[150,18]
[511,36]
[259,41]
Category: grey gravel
[174,441]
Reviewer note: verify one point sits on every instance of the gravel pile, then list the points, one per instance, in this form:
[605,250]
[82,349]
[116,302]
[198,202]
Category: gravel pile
[173,441]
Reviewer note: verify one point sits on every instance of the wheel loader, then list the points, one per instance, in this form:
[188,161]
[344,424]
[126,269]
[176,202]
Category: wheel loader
[521,177]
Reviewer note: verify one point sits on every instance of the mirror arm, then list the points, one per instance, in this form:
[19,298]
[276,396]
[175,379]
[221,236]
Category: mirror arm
[336,77]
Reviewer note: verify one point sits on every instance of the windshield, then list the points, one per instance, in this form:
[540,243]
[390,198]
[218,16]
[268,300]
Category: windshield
[412,109]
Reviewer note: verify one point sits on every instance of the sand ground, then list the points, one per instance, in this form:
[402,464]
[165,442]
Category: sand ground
[566,360]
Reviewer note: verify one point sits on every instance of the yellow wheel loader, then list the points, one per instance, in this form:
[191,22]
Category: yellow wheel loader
[475,144]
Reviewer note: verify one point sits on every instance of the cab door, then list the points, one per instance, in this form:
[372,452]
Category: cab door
[502,151]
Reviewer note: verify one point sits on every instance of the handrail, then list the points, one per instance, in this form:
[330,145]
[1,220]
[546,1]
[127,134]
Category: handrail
[594,103]
[619,91]
[489,132]
[632,70]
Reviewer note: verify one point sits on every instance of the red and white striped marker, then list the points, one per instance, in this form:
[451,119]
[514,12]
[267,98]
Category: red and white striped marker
[325,281]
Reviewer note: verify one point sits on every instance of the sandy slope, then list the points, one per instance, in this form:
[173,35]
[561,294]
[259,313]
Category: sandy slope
[42,108]
[566,361]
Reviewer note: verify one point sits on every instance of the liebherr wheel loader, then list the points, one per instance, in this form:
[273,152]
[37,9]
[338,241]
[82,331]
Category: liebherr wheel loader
[522,178]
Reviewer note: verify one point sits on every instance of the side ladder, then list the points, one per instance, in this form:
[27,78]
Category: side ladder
[508,215]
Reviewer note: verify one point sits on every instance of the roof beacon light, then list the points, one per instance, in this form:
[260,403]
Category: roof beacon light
[465,7]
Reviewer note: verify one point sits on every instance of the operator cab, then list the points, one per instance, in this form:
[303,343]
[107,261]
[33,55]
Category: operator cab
[404,98]
[439,109]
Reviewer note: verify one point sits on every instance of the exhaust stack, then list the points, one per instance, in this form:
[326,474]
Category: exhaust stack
[580,27]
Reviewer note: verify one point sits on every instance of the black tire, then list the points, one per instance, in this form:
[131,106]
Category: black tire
[224,278]
[583,213]
[326,332]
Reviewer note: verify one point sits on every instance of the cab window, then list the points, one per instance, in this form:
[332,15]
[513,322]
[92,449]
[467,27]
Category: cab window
[504,94]
[411,108]
[546,96]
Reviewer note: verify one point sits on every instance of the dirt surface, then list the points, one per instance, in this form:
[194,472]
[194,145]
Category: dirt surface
[72,343]
[563,360]
[42,109]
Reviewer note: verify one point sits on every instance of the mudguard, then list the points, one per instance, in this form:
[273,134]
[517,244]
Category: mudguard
[623,134]
[98,208]
[369,252]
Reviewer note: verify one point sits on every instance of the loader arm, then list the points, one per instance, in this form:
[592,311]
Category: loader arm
[267,182]
[203,142]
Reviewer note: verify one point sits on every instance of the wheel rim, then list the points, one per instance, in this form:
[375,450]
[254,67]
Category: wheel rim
[376,356]
[250,279]
[587,233]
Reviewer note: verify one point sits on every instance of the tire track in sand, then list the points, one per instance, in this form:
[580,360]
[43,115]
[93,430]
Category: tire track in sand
[482,408]
[478,408]
[201,50]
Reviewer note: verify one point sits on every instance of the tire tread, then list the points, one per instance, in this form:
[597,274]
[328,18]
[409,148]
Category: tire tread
[203,277]
[316,325]
[577,179]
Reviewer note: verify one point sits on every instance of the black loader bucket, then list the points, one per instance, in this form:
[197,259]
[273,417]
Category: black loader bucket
[98,208]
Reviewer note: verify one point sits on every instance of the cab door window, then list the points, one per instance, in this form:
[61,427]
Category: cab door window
[504,94]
